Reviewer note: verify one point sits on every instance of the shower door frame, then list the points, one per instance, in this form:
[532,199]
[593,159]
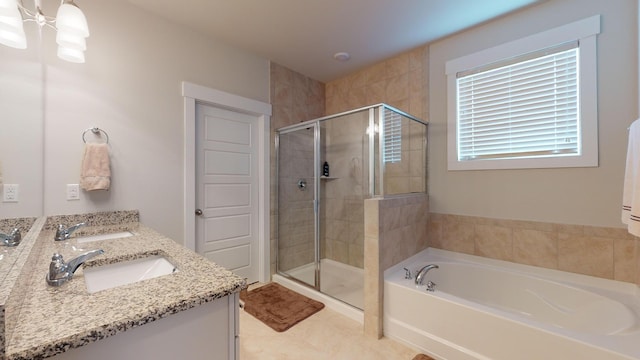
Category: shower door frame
[376,190]
[315,124]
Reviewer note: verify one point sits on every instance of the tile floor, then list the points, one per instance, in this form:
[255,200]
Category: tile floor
[324,335]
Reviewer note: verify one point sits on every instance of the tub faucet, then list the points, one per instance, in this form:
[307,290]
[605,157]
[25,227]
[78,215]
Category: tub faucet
[12,239]
[423,272]
[61,272]
[65,234]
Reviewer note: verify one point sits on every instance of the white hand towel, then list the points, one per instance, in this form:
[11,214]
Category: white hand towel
[95,173]
[631,190]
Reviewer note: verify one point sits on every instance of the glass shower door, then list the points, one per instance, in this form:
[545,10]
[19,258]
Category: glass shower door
[297,194]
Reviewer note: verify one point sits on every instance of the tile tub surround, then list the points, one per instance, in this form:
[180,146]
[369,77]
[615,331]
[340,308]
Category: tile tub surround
[45,327]
[13,260]
[610,253]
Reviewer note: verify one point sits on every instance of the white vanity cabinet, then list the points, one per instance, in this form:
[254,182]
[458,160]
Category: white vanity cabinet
[208,331]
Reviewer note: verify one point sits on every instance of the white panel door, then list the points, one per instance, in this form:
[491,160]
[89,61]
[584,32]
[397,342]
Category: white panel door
[227,189]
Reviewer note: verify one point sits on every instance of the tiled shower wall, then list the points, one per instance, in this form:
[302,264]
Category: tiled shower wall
[294,98]
[296,227]
[343,194]
[401,81]
[395,229]
[409,174]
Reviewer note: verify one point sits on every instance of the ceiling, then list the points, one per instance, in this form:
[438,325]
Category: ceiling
[303,35]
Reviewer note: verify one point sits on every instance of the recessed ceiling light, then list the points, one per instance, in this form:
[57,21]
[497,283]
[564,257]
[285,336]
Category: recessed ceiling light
[342,56]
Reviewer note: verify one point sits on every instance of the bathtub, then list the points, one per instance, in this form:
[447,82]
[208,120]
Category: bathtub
[490,309]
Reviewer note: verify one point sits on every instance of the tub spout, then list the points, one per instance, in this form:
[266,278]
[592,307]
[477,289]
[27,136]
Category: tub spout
[423,272]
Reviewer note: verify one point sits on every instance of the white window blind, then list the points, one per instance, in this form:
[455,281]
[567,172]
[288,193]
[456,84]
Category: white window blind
[392,137]
[523,107]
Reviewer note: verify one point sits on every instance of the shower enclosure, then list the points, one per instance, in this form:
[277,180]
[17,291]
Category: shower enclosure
[369,152]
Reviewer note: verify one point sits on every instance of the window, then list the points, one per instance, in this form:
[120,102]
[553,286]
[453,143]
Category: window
[525,104]
[392,137]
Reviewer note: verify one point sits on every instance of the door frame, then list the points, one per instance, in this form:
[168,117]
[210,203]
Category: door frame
[194,94]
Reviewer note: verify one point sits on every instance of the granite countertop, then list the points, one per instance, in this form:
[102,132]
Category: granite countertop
[12,260]
[52,320]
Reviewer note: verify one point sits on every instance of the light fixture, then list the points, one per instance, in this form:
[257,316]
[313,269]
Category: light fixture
[70,23]
[342,56]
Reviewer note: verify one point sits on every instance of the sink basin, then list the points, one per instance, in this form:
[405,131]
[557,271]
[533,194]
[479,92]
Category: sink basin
[127,272]
[118,235]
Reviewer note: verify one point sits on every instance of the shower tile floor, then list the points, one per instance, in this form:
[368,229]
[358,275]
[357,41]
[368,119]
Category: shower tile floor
[341,281]
[324,335]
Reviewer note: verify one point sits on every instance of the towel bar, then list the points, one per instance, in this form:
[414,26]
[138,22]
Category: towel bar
[97,132]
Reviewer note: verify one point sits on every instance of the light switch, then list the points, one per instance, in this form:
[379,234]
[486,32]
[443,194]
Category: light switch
[10,193]
[73,192]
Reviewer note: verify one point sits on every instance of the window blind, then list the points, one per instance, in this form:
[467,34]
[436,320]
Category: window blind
[527,107]
[392,137]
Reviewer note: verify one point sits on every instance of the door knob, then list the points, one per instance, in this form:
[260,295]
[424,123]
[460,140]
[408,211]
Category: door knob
[198,212]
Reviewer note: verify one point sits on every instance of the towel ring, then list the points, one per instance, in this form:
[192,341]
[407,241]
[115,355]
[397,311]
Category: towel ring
[97,132]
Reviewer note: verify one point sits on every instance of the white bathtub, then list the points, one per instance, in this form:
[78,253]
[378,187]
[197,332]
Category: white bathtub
[490,309]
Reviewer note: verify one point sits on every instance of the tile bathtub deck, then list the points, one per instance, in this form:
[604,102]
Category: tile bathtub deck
[324,335]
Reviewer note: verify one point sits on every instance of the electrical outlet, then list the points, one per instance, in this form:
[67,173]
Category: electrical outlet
[10,193]
[73,192]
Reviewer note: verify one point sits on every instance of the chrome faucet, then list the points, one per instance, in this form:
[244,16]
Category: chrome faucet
[61,272]
[423,272]
[65,234]
[12,239]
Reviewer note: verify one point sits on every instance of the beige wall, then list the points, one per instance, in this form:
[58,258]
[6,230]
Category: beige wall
[579,196]
[21,130]
[130,86]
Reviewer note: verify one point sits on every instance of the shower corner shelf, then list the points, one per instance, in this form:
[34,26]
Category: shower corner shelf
[328,178]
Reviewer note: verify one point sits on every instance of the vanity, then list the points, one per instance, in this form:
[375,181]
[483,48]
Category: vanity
[189,311]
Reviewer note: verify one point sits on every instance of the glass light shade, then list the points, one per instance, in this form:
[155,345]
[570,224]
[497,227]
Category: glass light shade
[13,39]
[11,18]
[9,4]
[71,19]
[71,40]
[71,55]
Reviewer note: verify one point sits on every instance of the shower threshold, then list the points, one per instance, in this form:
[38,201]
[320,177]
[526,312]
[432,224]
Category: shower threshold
[341,285]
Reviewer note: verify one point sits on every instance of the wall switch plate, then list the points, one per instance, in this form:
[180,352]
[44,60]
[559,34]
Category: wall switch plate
[10,192]
[73,192]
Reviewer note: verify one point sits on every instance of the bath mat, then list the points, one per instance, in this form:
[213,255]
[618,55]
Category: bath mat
[422,357]
[278,307]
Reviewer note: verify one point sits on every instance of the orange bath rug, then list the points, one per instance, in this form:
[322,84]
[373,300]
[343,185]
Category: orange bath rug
[278,307]
[423,357]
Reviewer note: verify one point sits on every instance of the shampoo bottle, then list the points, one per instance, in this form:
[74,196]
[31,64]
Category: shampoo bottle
[325,169]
